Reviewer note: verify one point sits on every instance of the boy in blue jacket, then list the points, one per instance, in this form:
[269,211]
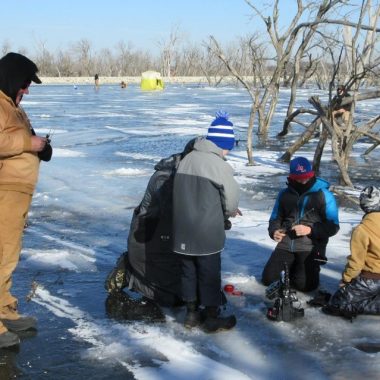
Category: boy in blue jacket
[304,216]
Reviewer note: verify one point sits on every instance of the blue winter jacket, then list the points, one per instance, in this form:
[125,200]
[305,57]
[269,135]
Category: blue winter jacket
[315,208]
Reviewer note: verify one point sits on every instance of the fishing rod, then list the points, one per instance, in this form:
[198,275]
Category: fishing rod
[50,134]
[297,221]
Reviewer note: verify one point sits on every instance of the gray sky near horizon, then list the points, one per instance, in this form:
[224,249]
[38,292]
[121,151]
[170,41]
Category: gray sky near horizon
[26,24]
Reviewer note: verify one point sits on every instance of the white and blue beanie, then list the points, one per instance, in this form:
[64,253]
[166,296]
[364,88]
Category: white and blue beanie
[221,132]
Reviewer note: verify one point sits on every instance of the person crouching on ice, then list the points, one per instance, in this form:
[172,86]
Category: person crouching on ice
[304,216]
[205,195]
[359,291]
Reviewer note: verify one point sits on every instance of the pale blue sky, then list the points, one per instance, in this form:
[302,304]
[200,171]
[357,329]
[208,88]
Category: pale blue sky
[60,23]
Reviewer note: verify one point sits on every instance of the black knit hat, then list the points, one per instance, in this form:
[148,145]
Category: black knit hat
[16,71]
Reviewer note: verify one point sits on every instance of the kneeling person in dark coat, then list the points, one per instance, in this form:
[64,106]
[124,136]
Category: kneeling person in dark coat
[149,268]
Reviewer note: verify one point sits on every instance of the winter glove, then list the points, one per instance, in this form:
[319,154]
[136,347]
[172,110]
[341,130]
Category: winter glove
[46,153]
[115,280]
[227,224]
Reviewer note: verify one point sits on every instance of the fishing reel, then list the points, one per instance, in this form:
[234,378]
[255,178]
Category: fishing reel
[273,290]
[283,308]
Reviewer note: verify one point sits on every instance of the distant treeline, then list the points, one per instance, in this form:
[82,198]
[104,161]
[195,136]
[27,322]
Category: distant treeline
[82,60]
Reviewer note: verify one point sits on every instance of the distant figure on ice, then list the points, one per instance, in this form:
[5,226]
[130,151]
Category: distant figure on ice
[123,84]
[304,216]
[205,194]
[96,78]
[20,154]
[359,291]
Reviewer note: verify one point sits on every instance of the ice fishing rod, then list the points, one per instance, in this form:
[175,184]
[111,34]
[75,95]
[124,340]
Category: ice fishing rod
[50,134]
[301,217]
[325,261]
[297,221]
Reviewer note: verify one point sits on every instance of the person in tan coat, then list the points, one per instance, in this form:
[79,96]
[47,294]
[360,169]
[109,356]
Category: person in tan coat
[20,151]
[359,291]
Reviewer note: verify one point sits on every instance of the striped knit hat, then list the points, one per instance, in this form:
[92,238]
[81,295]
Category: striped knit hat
[221,132]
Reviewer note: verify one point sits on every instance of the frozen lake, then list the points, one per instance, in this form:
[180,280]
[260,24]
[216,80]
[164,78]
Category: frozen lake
[106,144]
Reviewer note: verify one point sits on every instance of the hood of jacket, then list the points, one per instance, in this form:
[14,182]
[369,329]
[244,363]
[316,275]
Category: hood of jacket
[203,145]
[15,71]
[171,162]
[168,163]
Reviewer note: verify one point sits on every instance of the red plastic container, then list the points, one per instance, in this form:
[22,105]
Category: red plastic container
[229,288]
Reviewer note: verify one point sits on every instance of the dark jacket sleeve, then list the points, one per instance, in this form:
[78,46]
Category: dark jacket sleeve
[275,221]
[153,206]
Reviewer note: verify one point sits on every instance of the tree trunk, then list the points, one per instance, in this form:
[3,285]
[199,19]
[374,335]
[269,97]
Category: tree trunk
[250,134]
[303,139]
[270,113]
[290,118]
[319,150]
[371,148]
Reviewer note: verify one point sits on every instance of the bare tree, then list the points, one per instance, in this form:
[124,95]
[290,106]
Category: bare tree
[168,50]
[82,50]
[190,61]
[124,57]
[44,59]
[254,94]
[64,64]
[5,47]
[307,36]
[264,101]
[284,44]
[358,61]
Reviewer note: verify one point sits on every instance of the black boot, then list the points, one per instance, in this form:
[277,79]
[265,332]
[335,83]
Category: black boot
[9,339]
[193,317]
[214,323]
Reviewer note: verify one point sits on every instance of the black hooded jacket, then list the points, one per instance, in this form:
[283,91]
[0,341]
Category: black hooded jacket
[16,70]
[151,267]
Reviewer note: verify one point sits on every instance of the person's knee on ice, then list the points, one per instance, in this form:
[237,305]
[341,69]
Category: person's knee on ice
[268,276]
[303,284]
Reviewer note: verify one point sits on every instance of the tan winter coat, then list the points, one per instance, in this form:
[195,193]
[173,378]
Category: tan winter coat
[365,248]
[18,165]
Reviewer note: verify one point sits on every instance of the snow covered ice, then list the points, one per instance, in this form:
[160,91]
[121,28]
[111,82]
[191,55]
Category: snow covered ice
[106,144]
